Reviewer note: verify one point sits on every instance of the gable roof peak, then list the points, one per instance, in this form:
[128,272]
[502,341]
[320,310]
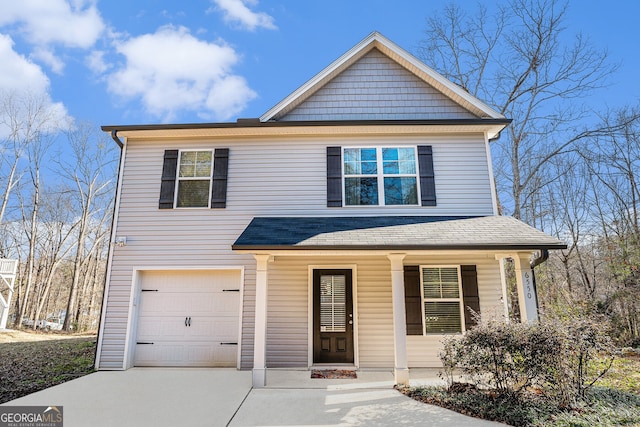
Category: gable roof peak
[376,40]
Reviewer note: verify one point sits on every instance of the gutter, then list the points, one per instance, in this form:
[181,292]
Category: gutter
[245,123]
[114,136]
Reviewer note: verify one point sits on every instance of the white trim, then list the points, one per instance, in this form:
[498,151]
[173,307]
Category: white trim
[487,253]
[259,371]
[132,320]
[397,54]
[492,179]
[503,287]
[241,318]
[400,353]
[526,292]
[380,175]
[178,178]
[354,301]
[112,247]
[459,300]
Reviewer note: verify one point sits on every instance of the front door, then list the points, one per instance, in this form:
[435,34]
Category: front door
[332,316]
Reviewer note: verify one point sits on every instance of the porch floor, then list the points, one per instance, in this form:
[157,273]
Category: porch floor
[367,378]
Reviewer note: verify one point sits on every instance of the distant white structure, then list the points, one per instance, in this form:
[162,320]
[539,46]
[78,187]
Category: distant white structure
[8,269]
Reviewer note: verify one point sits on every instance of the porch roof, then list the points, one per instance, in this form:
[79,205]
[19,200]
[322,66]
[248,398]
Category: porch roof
[393,233]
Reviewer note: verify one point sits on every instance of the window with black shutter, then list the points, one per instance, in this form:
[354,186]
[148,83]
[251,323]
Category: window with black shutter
[380,176]
[437,299]
[194,179]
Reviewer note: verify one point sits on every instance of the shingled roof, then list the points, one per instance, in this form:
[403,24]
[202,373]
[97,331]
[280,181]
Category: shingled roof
[393,233]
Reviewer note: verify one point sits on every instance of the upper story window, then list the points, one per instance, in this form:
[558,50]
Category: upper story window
[442,299]
[380,176]
[194,179]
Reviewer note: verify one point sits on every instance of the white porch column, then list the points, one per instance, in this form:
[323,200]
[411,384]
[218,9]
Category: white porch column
[400,370]
[260,335]
[526,292]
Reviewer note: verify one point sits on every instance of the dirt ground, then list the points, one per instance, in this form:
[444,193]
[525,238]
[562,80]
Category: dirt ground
[31,361]
[28,335]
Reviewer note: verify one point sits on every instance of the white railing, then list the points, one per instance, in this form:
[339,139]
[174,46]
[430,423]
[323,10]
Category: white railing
[8,266]
[8,269]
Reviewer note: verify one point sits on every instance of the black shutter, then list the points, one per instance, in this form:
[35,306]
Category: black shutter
[334,176]
[412,300]
[168,182]
[219,184]
[427,177]
[470,297]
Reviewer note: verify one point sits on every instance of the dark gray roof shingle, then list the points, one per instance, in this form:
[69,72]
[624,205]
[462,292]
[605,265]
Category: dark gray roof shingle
[394,233]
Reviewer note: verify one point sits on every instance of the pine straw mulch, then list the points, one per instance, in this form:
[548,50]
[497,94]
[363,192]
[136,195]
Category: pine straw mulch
[333,374]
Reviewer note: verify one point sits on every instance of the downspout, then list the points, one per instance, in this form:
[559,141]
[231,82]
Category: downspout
[114,136]
[495,138]
[103,307]
[544,255]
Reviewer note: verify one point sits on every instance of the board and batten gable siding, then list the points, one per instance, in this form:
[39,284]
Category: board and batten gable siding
[377,88]
[266,177]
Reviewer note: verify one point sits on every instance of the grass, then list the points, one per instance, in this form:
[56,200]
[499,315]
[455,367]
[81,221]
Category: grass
[27,367]
[614,402]
[624,374]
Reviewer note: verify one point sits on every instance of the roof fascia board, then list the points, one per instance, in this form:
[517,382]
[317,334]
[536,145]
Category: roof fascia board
[317,128]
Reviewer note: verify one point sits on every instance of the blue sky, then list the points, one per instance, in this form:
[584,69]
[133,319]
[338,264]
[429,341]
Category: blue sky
[158,61]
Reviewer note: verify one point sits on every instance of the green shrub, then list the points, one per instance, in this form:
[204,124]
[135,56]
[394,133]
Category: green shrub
[556,358]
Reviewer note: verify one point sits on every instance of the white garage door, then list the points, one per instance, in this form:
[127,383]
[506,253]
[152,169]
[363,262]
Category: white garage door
[188,318]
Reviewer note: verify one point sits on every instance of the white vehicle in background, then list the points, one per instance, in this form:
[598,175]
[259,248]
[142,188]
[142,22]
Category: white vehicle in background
[50,324]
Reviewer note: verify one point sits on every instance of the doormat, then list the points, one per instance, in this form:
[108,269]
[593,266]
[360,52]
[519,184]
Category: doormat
[333,374]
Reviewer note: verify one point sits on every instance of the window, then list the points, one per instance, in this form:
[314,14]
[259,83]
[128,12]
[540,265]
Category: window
[441,297]
[192,169]
[333,305]
[380,176]
[194,179]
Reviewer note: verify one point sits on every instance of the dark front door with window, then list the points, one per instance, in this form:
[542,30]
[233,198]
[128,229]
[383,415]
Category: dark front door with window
[332,316]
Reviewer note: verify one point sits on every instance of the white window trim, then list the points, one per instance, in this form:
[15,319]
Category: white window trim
[199,178]
[459,300]
[380,175]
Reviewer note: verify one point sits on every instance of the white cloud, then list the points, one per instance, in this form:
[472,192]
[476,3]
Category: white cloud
[17,72]
[172,71]
[47,57]
[54,21]
[96,63]
[21,77]
[236,11]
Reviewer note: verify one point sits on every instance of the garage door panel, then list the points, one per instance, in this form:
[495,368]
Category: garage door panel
[162,303]
[162,328]
[209,303]
[180,354]
[226,303]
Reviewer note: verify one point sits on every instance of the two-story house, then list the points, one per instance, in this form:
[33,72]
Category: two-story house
[353,224]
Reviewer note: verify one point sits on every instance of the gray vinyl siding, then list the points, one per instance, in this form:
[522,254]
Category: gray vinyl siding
[422,351]
[276,177]
[288,308]
[377,88]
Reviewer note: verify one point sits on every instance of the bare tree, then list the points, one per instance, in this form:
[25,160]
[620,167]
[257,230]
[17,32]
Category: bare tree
[515,59]
[31,125]
[89,169]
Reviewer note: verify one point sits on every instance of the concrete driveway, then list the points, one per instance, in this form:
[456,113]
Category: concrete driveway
[224,397]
